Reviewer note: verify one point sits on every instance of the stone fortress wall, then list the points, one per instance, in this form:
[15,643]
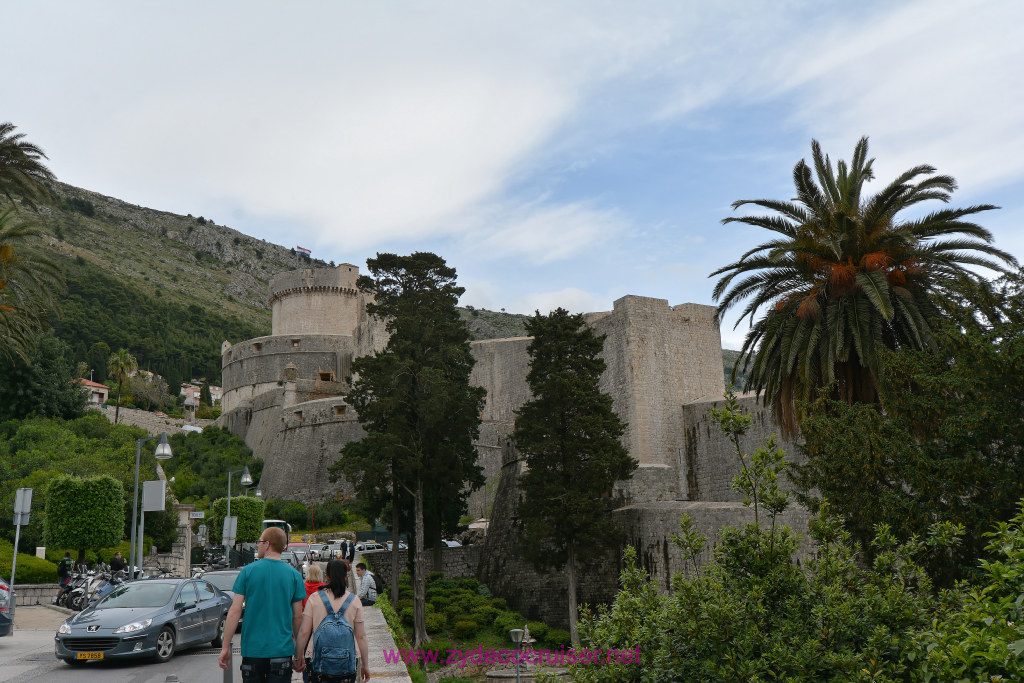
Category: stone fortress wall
[285,395]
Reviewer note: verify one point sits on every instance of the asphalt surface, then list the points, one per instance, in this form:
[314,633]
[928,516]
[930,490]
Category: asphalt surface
[27,655]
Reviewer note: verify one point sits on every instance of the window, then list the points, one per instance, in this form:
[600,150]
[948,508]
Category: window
[257,346]
[339,410]
[298,415]
[295,343]
[326,376]
[206,591]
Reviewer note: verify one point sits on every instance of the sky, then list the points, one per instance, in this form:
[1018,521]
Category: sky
[556,153]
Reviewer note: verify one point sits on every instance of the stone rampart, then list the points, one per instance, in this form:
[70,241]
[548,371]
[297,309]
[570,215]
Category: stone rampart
[322,301]
[658,358]
[501,367]
[456,563]
[707,462]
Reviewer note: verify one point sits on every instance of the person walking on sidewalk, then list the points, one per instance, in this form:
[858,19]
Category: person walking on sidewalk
[315,612]
[273,592]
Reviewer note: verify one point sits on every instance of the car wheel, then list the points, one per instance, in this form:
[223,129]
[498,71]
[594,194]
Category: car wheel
[165,644]
[219,638]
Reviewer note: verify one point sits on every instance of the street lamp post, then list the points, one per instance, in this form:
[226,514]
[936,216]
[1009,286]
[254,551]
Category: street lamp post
[246,481]
[516,635]
[163,452]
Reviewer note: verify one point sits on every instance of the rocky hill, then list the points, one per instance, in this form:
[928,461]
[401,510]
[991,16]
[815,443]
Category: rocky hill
[171,288]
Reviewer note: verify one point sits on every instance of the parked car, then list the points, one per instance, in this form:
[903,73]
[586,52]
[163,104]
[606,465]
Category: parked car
[151,618]
[451,544]
[369,547]
[5,609]
[319,551]
[402,545]
[224,579]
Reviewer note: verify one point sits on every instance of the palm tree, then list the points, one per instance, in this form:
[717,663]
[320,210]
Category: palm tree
[29,283]
[21,171]
[121,365]
[847,276]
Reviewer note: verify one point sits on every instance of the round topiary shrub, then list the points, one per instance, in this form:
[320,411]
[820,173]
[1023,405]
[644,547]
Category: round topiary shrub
[466,628]
[434,576]
[469,584]
[558,638]
[403,604]
[538,629]
[452,613]
[408,616]
[405,592]
[500,603]
[435,622]
[484,591]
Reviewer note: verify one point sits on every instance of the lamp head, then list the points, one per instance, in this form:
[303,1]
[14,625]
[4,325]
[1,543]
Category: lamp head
[516,635]
[246,477]
[259,491]
[163,449]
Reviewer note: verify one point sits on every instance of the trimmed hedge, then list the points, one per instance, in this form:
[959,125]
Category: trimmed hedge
[31,569]
[435,622]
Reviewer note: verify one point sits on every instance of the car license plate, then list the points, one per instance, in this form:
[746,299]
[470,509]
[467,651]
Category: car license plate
[89,655]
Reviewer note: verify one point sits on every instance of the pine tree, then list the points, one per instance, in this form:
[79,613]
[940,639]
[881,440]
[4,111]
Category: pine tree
[570,437]
[414,399]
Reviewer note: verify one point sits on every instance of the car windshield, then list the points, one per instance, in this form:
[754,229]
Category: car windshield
[140,595]
[225,582]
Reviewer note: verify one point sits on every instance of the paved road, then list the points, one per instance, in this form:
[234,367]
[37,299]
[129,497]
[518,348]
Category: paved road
[28,656]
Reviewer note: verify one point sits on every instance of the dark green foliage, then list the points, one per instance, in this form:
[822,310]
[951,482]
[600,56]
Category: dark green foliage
[980,639]
[945,443]
[84,513]
[201,462]
[292,511]
[538,629]
[166,338]
[248,510]
[44,386]
[570,437]
[559,638]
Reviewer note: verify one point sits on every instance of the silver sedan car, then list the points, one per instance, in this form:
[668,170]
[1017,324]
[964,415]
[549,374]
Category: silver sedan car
[146,618]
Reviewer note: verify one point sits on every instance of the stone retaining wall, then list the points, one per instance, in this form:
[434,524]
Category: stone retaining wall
[35,593]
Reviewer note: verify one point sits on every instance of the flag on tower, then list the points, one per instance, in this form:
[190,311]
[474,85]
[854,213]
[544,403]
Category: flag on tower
[303,250]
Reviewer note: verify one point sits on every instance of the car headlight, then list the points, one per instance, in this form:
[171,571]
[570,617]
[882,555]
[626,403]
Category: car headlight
[134,626]
[64,628]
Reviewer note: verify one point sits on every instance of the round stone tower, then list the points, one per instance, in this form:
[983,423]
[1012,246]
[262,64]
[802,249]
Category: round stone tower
[320,302]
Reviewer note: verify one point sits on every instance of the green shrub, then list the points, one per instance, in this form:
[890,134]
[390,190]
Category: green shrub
[469,584]
[453,613]
[408,616]
[484,591]
[435,623]
[404,592]
[538,629]
[465,629]
[506,621]
[404,603]
[434,576]
[485,615]
[31,569]
[439,602]
[558,638]
[442,584]
[499,603]
[442,645]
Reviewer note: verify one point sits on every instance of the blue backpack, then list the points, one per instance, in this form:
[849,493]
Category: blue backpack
[334,643]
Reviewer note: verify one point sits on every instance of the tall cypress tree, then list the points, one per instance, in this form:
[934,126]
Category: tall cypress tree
[414,399]
[570,437]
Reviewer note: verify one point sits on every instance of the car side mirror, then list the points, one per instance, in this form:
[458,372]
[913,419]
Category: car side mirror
[185,606]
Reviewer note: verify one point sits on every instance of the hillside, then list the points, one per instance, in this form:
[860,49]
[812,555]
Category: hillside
[171,288]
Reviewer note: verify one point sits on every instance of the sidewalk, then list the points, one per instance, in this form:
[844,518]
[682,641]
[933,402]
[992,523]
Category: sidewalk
[39,617]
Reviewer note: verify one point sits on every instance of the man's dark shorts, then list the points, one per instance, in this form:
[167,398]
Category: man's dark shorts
[260,670]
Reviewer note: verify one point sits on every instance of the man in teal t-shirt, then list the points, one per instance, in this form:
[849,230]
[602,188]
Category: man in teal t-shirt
[273,613]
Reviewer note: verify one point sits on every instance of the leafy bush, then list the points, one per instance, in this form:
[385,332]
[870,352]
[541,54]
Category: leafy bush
[499,603]
[453,613]
[485,615]
[403,604]
[469,584]
[538,629]
[435,622]
[466,628]
[408,616]
[248,509]
[484,591]
[294,512]
[434,576]
[558,638]
[506,621]
[84,513]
